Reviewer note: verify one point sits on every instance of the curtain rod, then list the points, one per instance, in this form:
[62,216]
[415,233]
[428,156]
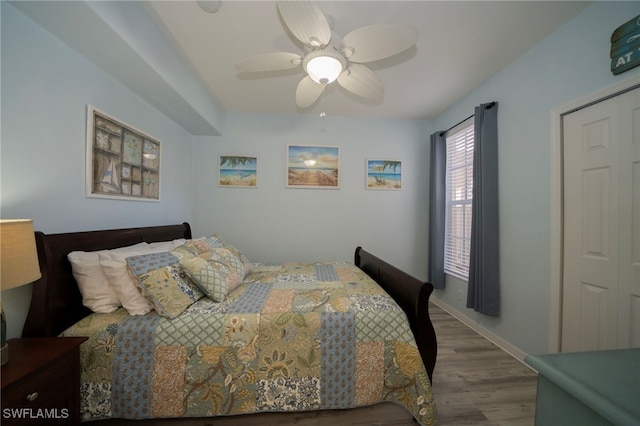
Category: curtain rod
[489,105]
[457,124]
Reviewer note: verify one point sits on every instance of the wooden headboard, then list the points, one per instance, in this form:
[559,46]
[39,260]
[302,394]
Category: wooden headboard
[56,303]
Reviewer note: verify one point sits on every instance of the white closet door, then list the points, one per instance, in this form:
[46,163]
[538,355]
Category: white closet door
[601,280]
[629,292]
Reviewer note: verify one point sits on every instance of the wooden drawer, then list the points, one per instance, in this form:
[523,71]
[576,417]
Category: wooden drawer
[40,412]
[42,388]
[41,382]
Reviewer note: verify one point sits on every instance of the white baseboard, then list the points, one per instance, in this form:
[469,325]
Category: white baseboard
[512,350]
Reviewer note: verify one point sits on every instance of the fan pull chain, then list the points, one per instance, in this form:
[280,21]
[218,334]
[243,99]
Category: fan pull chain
[322,113]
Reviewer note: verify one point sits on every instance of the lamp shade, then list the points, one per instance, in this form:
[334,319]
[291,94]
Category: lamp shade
[18,255]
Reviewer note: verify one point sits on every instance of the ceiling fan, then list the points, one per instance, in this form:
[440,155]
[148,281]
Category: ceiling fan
[328,58]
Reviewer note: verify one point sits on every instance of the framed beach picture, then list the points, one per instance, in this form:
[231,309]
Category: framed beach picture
[122,162]
[238,171]
[313,166]
[384,174]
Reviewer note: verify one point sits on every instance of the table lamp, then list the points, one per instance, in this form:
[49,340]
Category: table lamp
[18,263]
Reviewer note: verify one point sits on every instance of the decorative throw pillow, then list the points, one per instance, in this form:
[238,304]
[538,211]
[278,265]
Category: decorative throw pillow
[216,272]
[220,242]
[97,294]
[161,278]
[197,246]
[245,262]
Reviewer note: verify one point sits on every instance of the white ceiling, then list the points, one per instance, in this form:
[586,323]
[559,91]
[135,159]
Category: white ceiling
[461,44]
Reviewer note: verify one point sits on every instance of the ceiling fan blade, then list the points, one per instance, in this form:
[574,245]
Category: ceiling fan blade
[379,41]
[361,81]
[270,62]
[306,22]
[308,92]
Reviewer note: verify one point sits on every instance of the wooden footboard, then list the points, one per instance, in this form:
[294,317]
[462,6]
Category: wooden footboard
[413,297]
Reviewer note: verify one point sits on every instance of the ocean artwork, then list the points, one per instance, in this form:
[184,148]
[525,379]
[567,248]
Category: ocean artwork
[384,174]
[312,166]
[236,171]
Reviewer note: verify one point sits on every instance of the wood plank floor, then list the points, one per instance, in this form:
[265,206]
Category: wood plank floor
[474,383]
[477,383]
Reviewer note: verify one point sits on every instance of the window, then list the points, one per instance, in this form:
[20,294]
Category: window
[459,172]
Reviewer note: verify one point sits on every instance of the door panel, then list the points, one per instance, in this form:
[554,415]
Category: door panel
[601,222]
[629,294]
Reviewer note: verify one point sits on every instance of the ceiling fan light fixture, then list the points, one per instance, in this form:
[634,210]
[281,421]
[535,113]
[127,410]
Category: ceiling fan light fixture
[324,66]
[328,57]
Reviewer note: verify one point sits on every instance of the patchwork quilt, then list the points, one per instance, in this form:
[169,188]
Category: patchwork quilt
[291,337]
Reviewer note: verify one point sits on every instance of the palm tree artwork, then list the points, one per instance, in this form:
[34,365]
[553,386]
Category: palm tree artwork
[384,174]
[238,171]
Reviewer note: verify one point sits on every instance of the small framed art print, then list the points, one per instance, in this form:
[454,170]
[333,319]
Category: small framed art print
[238,171]
[384,174]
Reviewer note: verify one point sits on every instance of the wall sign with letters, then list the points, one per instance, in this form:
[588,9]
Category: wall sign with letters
[625,46]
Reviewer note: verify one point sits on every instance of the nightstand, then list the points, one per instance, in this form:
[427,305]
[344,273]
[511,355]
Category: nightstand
[41,381]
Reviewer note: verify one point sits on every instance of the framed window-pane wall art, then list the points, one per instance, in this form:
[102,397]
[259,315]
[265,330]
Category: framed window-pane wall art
[313,166]
[122,161]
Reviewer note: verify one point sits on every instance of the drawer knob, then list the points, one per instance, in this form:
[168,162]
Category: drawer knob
[32,396]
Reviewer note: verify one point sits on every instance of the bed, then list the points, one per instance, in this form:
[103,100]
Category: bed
[288,337]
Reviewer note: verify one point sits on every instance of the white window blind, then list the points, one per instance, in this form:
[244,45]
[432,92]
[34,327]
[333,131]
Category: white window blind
[459,197]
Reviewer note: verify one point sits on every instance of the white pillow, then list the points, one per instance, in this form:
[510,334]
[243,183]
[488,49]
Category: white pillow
[97,295]
[114,266]
[167,245]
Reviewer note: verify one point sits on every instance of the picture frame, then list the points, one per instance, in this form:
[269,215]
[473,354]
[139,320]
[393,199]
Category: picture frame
[122,162]
[385,175]
[313,166]
[235,171]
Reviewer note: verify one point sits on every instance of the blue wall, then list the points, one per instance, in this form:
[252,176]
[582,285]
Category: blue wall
[272,222]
